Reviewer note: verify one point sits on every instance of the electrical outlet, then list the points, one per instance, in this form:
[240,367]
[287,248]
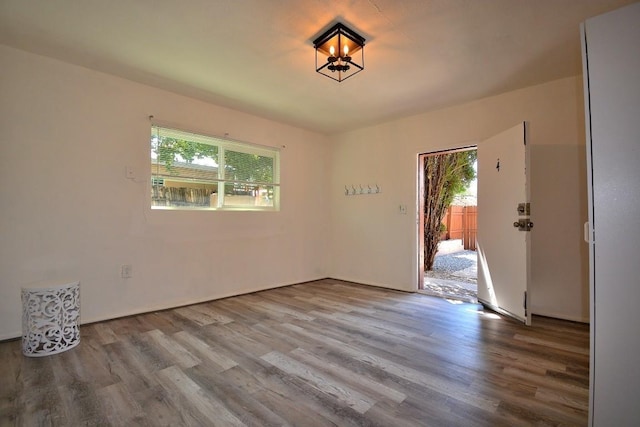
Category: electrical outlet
[126,272]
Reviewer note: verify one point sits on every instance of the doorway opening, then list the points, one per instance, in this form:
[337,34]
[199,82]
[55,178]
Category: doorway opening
[448,224]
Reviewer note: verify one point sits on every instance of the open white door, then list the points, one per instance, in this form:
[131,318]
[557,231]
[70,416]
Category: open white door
[503,246]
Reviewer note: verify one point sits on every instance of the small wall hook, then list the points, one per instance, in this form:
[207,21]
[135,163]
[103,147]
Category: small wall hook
[361,189]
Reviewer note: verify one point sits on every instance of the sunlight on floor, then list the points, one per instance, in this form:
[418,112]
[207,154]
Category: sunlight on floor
[486,314]
[484,277]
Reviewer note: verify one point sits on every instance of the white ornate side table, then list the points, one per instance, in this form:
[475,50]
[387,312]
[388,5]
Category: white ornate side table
[50,318]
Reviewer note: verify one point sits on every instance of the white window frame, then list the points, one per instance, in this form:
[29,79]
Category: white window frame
[223,145]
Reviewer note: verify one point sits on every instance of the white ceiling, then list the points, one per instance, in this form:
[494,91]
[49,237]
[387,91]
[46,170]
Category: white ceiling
[257,55]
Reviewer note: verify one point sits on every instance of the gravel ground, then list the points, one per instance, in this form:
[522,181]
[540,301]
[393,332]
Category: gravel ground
[460,266]
[454,275]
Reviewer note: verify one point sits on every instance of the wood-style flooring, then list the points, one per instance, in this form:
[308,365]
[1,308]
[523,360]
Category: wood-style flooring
[326,353]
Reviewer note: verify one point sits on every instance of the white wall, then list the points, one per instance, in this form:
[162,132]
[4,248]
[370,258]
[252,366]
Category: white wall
[375,244]
[67,210]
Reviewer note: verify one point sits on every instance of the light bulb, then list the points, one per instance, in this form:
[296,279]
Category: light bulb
[346,50]
[332,50]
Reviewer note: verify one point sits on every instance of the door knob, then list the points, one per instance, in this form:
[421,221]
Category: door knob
[523,224]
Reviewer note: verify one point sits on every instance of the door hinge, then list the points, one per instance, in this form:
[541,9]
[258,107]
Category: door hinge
[524,303]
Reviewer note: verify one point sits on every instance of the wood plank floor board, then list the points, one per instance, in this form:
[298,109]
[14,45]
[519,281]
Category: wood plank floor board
[120,406]
[232,392]
[126,326]
[574,401]
[360,381]
[504,357]
[293,396]
[101,332]
[213,314]
[321,404]
[178,323]
[538,413]
[289,301]
[199,318]
[402,372]
[177,353]
[296,414]
[364,371]
[244,351]
[123,360]
[165,408]
[290,339]
[263,336]
[148,353]
[203,407]
[239,343]
[401,355]
[394,353]
[10,372]
[153,321]
[80,403]
[324,353]
[226,307]
[241,310]
[411,344]
[547,381]
[204,351]
[37,400]
[321,381]
[405,414]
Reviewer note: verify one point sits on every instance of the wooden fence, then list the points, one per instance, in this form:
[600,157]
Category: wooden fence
[462,223]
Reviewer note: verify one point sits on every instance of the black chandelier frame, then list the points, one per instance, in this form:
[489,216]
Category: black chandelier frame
[343,49]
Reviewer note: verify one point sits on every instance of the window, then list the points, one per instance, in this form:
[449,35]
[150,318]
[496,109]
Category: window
[191,171]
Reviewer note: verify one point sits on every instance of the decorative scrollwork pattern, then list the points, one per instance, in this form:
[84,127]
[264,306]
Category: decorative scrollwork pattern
[50,319]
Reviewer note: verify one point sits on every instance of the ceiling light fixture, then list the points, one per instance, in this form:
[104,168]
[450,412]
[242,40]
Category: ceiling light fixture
[343,49]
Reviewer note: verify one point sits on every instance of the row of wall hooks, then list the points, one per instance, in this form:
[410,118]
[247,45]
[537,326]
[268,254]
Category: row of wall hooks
[356,191]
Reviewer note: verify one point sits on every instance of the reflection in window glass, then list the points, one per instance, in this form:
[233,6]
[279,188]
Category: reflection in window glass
[191,171]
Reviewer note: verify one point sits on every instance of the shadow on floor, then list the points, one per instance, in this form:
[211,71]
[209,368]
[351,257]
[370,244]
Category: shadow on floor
[454,274]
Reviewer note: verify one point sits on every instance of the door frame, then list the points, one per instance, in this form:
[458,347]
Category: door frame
[420,225]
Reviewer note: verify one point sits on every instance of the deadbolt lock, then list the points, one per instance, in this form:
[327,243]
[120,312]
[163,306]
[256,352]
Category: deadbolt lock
[523,224]
[524,209]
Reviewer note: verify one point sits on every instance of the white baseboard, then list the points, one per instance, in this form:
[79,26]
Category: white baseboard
[10,336]
[562,316]
[150,309]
